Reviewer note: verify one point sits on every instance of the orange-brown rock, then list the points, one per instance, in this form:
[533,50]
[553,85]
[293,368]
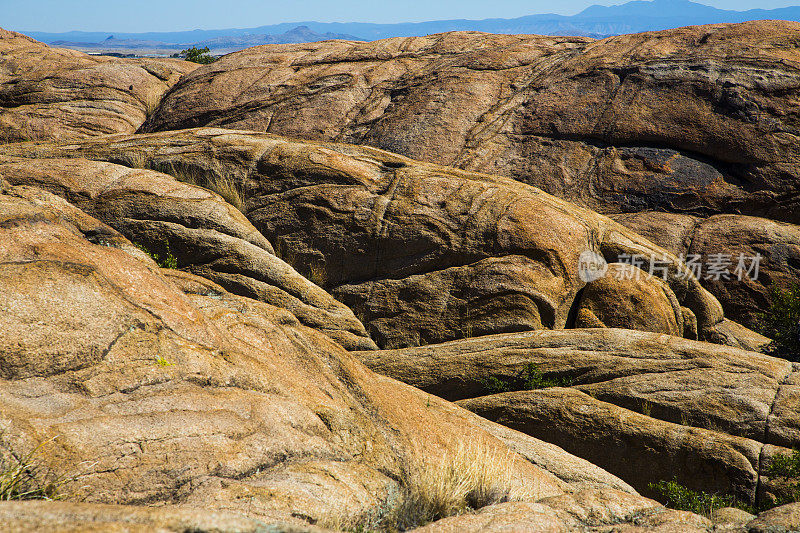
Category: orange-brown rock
[745,289]
[421,253]
[54,93]
[206,235]
[699,120]
[708,415]
[144,386]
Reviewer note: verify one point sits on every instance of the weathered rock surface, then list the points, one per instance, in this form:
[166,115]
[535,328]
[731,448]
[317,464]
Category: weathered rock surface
[155,386]
[421,253]
[698,120]
[641,405]
[729,239]
[54,93]
[63,517]
[207,236]
[627,297]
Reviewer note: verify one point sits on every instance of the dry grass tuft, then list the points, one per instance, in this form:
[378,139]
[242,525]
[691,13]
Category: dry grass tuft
[25,476]
[473,476]
[230,190]
[151,101]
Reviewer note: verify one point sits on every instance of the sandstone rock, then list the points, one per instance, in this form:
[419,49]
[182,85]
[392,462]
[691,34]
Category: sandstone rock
[206,235]
[698,120]
[651,393]
[730,239]
[731,516]
[627,297]
[779,520]
[53,93]
[633,446]
[64,517]
[421,253]
[147,391]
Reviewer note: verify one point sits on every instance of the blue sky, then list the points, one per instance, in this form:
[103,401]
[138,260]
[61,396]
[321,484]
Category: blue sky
[175,15]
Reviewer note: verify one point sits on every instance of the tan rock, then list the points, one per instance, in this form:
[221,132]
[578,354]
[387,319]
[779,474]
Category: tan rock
[669,382]
[53,93]
[67,517]
[206,235]
[627,297]
[421,253]
[633,446]
[734,237]
[696,120]
[145,385]
[778,520]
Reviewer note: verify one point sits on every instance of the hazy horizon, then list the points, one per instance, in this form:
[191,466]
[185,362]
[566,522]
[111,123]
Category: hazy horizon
[54,16]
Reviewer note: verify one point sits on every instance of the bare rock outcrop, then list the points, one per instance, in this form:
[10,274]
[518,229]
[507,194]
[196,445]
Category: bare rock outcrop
[699,120]
[55,93]
[206,235]
[148,386]
[641,405]
[421,253]
[744,289]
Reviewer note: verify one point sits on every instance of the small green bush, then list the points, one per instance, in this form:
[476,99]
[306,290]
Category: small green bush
[168,261]
[787,465]
[781,323]
[198,55]
[531,378]
[678,497]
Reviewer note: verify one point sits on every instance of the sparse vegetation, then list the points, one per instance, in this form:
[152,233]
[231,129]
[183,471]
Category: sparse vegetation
[198,55]
[677,496]
[782,323]
[24,477]
[786,465]
[166,261]
[162,361]
[472,477]
[532,378]
[230,190]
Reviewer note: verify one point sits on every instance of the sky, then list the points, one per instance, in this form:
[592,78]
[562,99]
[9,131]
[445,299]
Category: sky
[177,15]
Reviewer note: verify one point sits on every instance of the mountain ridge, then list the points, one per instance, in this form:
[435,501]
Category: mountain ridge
[594,21]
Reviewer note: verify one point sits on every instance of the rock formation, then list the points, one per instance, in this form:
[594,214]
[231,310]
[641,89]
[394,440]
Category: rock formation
[55,93]
[208,329]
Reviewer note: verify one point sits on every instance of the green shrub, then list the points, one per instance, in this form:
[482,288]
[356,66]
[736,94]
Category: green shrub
[781,323]
[198,55]
[531,378]
[534,379]
[678,497]
[787,465]
[168,261]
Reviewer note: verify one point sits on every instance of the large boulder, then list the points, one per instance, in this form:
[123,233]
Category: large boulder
[698,120]
[644,406]
[743,290]
[421,253]
[206,235]
[627,297]
[54,93]
[123,384]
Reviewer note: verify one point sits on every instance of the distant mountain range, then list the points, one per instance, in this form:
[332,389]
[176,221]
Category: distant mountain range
[595,21]
[134,42]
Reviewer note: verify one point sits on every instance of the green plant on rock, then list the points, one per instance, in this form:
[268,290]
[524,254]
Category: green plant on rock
[786,466]
[198,55]
[535,379]
[24,477]
[781,323]
[677,496]
[167,261]
[531,378]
